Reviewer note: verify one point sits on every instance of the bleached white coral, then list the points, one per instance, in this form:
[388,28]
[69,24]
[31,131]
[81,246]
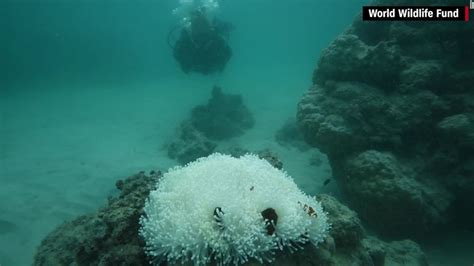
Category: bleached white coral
[213,210]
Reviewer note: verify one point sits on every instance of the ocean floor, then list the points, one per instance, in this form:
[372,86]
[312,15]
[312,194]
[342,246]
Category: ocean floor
[63,146]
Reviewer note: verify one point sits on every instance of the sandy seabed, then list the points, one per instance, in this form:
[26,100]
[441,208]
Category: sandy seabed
[63,146]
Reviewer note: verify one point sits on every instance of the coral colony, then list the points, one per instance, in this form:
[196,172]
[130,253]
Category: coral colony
[228,210]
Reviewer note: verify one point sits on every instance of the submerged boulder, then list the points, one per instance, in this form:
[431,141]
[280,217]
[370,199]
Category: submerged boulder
[225,116]
[110,236]
[106,237]
[392,106]
[189,144]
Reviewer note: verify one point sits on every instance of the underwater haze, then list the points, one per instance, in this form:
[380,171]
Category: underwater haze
[91,93]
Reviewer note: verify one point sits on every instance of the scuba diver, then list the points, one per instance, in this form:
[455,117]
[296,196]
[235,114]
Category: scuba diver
[202,45]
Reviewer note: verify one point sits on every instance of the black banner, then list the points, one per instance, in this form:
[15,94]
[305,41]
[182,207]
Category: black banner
[416,13]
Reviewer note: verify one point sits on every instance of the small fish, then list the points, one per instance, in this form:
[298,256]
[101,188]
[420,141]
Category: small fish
[251,188]
[309,210]
[326,181]
[218,217]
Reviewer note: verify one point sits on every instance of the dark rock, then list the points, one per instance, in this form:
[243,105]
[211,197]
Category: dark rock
[271,157]
[189,144]
[381,63]
[377,252]
[347,50]
[107,237]
[225,116]
[110,237]
[346,228]
[392,106]
[424,75]
[392,191]
[348,244]
[405,252]
[459,125]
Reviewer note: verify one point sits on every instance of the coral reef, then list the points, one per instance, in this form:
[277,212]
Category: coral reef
[350,245]
[392,107]
[270,157]
[225,116]
[111,236]
[107,237]
[257,208]
[189,144]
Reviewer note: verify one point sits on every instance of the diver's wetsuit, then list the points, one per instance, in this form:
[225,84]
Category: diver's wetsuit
[201,47]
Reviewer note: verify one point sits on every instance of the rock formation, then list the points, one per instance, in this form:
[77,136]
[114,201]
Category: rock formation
[110,236]
[392,107]
[225,116]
